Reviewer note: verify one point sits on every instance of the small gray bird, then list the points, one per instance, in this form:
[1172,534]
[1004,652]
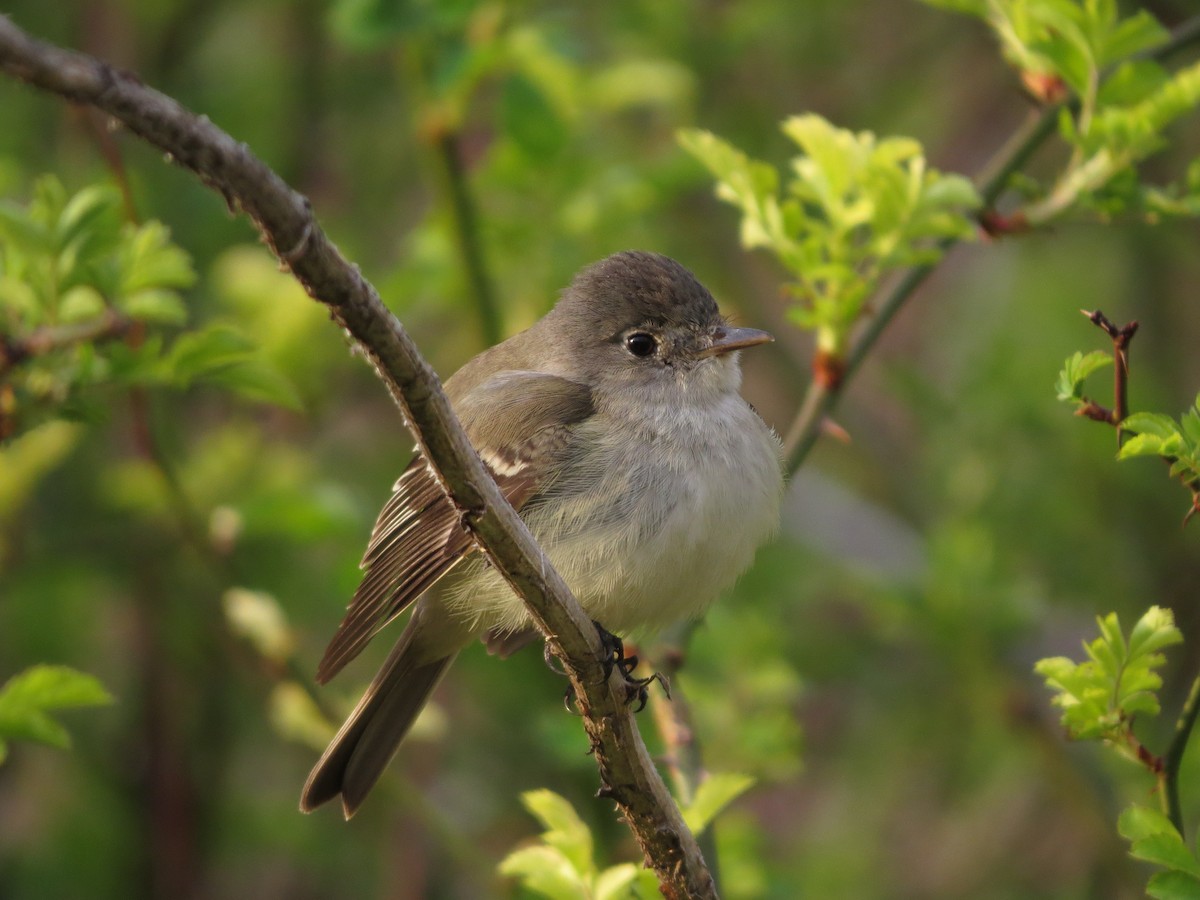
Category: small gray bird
[615,428]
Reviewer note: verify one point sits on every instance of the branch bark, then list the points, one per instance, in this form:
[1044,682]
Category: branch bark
[285,220]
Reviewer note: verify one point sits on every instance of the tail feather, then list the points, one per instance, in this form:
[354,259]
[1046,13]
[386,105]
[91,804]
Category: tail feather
[366,743]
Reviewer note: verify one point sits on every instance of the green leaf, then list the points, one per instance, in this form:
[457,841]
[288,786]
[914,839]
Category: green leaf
[202,352]
[1141,445]
[1149,423]
[1139,32]
[1173,885]
[1099,697]
[616,882]
[565,831]
[150,260]
[1075,371]
[158,306]
[1154,839]
[27,697]
[713,795]
[80,304]
[547,871]
[255,380]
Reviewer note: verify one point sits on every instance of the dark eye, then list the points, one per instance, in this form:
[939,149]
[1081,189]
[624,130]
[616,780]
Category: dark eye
[640,344]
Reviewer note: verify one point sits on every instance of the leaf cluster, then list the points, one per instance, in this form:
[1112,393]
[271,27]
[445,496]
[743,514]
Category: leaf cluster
[87,299]
[65,259]
[1176,441]
[855,207]
[1123,100]
[1100,696]
[562,865]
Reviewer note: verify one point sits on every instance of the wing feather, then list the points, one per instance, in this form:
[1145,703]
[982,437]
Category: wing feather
[418,536]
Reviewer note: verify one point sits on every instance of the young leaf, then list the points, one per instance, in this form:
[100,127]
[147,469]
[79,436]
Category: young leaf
[546,871]
[1155,840]
[27,698]
[713,795]
[1099,697]
[255,380]
[202,352]
[565,831]
[1075,371]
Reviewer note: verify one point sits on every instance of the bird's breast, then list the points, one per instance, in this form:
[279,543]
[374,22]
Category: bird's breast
[658,515]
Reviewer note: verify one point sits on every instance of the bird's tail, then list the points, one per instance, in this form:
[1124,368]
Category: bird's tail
[367,742]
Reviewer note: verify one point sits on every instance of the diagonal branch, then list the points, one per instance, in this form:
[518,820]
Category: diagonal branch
[285,219]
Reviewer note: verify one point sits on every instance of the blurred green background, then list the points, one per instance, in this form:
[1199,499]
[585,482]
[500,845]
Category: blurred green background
[872,671]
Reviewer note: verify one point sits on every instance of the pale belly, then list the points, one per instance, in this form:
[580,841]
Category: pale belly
[648,532]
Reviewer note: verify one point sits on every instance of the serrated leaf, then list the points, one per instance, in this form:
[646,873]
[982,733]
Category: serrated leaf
[1137,822]
[1153,631]
[1100,697]
[1166,849]
[1075,371]
[713,795]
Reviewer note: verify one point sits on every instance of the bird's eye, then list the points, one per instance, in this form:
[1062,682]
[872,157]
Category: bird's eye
[640,344]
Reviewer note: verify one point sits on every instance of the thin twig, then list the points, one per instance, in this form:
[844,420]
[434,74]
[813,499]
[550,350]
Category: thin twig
[285,220]
[819,400]
[1121,338]
[466,230]
[41,341]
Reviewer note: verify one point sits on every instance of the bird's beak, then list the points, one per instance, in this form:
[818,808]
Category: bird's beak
[726,340]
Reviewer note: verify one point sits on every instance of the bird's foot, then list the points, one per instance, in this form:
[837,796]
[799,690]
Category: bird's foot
[635,688]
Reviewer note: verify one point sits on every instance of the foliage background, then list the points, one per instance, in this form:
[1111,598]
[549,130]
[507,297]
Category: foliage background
[873,670]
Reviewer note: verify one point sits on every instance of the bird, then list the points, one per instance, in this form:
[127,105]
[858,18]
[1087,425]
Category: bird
[615,426]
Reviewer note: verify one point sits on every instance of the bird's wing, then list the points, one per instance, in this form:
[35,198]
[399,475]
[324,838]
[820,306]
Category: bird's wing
[519,422]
